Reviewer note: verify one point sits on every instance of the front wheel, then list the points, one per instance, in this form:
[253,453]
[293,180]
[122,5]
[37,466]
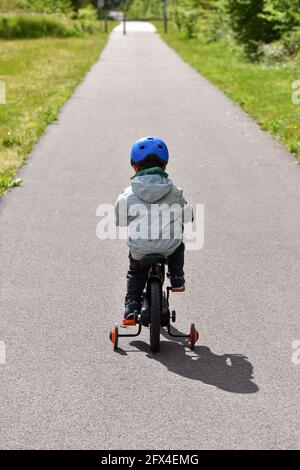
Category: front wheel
[155,316]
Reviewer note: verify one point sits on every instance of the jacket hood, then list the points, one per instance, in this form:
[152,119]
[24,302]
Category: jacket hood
[151,188]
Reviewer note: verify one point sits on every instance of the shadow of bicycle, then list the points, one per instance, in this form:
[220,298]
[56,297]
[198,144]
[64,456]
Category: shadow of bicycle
[229,372]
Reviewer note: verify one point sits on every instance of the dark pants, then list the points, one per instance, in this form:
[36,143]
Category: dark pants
[137,274]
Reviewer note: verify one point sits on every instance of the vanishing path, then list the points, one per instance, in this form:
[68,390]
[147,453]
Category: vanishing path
[61,287]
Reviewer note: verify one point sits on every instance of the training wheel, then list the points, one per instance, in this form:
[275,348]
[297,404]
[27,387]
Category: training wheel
[114,335]
[193,336]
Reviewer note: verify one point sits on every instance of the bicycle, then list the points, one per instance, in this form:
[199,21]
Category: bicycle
[155,312]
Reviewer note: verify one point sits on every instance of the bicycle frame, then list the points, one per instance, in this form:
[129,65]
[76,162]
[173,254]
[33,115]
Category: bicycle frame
[156,274]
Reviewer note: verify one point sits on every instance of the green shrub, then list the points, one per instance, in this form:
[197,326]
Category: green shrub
[263,21]
[213,21]
[272,52]
[190,20]
[142,8]
[33,26]
[249,25]
[185,15]
[283,15]
[176,16]
[206,19]
[253,24]
[86,20]
[46,6]
[291,41]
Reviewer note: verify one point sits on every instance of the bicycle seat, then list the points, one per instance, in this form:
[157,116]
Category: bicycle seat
[154,259]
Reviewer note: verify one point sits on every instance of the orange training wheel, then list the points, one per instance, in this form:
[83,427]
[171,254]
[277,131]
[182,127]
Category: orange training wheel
[114,335]
[193,336]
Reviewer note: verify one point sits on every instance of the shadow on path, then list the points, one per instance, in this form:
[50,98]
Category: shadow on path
[229,372]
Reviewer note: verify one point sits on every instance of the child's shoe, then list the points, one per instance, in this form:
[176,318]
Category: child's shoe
[177,284]
[131,306]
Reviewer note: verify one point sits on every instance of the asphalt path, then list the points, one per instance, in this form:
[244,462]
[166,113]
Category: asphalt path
[62,386]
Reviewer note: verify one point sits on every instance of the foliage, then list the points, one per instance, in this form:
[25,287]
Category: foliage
[86,19]
[34,26]
[249,24]
[253,23]
[283,15]
[144,9]
[65,7]
[199,18]
[273,52]
[291,41]
[46,6]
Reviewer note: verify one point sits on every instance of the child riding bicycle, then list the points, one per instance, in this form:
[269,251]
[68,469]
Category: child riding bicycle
[154,210]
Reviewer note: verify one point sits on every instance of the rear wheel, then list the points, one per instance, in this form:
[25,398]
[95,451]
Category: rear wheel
[155,315]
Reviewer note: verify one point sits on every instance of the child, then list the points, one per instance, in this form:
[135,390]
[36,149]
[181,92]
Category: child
[150,188]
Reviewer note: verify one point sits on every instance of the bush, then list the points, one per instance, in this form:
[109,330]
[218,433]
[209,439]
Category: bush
[250,26]
[189,21]
[176,16]
[213,21]
[291,41]
[86,21]
[272,52]
[206,19]
[142,8]
[284,15]
[46,6]
[32,26]
[263,21]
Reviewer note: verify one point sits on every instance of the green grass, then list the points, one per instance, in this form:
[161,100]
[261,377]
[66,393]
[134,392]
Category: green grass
[40,74]
[263,91]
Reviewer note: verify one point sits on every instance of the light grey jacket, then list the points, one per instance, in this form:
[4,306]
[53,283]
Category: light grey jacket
[154,210]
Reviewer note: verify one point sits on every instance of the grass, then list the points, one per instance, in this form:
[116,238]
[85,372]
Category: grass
[263,91]
[39,74]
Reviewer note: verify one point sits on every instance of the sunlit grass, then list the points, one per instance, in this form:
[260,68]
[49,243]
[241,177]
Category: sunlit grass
[40,74]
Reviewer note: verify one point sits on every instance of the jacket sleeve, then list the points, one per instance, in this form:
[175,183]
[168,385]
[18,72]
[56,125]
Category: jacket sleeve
[187,209]
[188,213]
[121,212]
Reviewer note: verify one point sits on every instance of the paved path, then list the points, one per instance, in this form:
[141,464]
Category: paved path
[61,288]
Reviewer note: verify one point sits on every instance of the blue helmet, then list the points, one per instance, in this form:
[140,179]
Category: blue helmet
[149,148]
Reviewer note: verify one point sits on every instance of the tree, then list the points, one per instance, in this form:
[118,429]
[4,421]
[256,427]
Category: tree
[250,25]
[284,15]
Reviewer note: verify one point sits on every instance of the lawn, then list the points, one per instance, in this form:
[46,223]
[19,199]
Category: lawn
[263,91]
[39,74]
